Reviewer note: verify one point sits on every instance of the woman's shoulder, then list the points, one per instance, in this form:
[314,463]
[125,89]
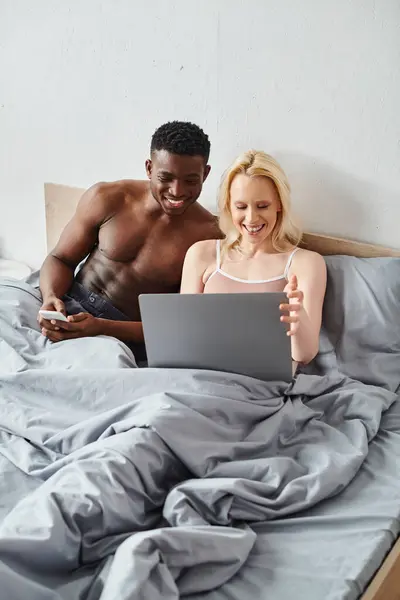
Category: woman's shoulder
[306,254]
[203,250]
[307,259]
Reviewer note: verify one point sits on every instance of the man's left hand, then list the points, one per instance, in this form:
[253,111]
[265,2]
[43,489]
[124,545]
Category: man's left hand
[80,325]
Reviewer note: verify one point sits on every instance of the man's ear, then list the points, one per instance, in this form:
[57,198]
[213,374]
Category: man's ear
[206,172]
[149,166]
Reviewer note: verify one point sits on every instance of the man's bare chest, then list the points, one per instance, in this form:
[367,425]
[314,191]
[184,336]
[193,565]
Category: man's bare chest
[148,251]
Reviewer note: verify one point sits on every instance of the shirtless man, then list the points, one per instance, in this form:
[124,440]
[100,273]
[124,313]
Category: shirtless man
[135,235]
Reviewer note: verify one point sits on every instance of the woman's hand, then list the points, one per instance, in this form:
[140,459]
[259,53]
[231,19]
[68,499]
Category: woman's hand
[294,307]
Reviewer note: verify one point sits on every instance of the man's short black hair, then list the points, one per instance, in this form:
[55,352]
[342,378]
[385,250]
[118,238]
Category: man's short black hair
[181,137]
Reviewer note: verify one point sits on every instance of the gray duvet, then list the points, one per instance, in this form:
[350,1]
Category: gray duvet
[149,483]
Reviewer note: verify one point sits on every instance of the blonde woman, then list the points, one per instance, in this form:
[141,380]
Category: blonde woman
[260,250]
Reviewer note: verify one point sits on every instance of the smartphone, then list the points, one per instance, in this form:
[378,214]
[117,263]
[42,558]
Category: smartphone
[53,315]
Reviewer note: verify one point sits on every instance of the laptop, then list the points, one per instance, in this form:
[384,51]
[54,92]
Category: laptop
[235,333]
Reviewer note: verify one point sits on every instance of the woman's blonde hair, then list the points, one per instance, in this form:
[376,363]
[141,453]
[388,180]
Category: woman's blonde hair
[256,163]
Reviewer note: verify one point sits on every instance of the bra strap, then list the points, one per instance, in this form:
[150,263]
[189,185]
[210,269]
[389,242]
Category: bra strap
[289,262]
[218,255]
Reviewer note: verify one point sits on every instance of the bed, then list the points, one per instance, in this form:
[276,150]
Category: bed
[344,545]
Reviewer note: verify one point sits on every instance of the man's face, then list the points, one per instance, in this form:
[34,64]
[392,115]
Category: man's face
[176,180]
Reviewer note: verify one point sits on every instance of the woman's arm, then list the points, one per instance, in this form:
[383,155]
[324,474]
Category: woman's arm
[306,292]
[196,261]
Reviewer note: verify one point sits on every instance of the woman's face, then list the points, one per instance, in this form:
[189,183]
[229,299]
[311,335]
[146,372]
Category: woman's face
[254,206]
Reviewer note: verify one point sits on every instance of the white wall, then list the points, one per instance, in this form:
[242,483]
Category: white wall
[83,84]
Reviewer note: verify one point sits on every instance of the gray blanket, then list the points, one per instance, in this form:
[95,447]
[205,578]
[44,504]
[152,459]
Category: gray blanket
[147,483]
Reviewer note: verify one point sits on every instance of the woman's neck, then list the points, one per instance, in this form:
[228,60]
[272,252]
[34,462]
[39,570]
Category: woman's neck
[253,250]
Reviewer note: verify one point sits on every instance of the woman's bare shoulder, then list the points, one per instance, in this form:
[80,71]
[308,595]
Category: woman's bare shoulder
[308,257]
[306,260]
[204,250]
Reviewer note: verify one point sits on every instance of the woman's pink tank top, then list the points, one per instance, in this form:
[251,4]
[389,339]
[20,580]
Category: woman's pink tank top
[220,282]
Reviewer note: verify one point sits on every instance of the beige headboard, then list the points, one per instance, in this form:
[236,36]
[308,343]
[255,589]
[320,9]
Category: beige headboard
[60,205]
[61,201]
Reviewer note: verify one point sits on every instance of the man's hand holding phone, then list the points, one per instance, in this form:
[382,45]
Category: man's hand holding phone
[52,314]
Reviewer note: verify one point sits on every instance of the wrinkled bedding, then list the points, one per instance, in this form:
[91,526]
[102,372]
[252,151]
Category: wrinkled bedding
[146,483]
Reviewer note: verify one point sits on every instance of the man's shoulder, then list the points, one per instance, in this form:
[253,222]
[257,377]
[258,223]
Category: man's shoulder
[107,198]
[120,190]
[204,222]
[201,213]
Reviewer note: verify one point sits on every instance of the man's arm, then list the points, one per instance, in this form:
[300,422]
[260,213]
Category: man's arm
[198,257]
[126,331]
[86,325]
[76,242]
